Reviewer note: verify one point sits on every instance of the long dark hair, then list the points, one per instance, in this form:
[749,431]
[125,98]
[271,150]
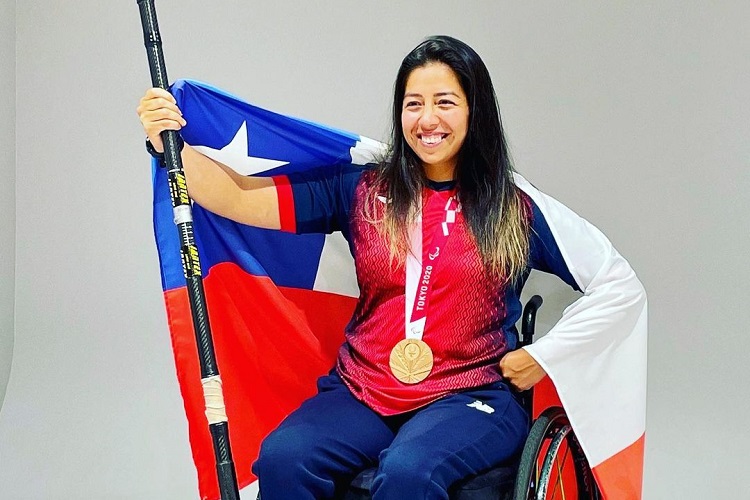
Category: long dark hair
[491,203]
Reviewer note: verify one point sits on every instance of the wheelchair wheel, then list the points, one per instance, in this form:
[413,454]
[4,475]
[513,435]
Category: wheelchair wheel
[553,466]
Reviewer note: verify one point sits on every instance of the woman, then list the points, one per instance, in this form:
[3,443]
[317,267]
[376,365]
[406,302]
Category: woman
[443,240]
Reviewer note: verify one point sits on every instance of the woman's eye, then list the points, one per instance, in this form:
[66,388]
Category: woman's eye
[411,104]
[446,102]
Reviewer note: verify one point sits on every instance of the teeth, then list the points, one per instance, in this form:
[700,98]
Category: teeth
[432,139]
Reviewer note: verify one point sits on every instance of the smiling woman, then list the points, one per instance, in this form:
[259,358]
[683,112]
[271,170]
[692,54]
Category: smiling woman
[444,235]
[435,119]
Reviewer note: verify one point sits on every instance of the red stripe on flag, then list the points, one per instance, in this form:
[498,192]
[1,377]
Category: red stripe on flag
[271,345]
[620,477]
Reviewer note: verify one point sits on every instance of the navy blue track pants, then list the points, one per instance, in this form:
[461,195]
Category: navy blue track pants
[332,436]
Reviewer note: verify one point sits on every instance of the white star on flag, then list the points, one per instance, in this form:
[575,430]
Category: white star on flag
[234,155]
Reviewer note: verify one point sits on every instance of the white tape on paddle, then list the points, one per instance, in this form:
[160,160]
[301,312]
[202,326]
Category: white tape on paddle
[214,397]
[182,214]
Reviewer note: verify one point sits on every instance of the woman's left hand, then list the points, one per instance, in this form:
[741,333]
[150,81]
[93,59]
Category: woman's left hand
[521,370]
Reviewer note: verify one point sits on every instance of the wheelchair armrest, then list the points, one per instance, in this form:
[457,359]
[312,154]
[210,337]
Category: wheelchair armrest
[528,320]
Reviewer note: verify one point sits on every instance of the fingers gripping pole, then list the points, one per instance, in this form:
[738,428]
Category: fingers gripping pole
[191,268]
[158,68]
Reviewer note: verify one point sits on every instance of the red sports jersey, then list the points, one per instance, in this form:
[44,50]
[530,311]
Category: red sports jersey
[467,312]
[464,322]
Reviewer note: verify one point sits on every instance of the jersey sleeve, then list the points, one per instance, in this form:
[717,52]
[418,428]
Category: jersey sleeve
[544,253]
[596,353]
[318,200]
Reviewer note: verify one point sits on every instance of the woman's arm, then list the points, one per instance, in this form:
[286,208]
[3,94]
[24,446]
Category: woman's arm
[214,186]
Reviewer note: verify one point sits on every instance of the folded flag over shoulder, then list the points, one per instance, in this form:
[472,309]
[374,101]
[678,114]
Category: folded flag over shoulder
[278,302]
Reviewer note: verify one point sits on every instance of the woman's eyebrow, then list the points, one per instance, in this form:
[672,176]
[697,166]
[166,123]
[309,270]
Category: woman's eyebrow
[438,94]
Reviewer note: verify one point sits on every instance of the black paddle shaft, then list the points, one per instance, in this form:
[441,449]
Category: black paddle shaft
[190,260]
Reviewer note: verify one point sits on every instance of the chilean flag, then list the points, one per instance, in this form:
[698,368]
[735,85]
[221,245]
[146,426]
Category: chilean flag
[278,302]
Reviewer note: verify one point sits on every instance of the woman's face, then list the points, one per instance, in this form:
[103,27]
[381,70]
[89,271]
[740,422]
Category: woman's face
[435,118]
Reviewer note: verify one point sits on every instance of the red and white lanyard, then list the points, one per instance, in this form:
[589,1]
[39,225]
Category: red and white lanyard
[419,276]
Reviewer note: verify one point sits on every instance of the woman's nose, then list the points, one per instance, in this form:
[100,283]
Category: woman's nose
[429,120]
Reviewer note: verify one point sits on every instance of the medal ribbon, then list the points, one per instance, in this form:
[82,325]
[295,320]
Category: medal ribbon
[418,276]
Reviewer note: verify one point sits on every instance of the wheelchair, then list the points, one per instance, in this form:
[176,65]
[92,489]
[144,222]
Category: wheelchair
[551,466]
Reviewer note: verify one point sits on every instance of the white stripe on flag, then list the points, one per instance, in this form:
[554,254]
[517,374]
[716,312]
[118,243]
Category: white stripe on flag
[596,353]
[336,268]
[367,151]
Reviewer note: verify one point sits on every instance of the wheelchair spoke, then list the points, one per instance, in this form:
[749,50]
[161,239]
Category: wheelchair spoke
[550,458]
[560,463]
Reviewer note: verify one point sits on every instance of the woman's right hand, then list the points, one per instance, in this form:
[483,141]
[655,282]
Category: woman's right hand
[158,112]
[213,185]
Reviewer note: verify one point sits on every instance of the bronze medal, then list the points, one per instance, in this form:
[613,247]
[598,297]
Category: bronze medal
[411,361]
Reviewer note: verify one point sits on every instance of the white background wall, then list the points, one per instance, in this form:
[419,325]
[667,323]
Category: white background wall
[635,114]
[7,186]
